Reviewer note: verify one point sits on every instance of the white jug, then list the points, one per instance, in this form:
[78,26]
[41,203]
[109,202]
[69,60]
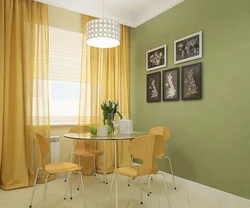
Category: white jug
[125,126]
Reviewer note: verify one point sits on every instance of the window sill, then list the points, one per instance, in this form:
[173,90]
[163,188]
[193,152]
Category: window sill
[63,125]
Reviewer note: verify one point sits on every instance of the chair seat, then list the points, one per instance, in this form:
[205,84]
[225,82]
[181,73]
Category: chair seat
[130,171]
[88,153]
[62,167]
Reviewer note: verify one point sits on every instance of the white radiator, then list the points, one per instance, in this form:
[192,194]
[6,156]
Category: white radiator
[55,149]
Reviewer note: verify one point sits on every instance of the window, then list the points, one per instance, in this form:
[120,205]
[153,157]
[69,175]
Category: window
[65,53]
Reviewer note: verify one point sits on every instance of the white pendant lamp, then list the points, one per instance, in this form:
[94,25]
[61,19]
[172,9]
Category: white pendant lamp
[103,33]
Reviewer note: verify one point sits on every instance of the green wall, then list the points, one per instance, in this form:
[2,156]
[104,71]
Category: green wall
[210,142]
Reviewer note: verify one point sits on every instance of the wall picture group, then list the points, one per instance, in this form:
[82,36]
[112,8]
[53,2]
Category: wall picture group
[166,85]
[191,82]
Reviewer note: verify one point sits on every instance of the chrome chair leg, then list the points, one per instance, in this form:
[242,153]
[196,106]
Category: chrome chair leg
[34,187]
[129,181]
[141,189]
[94,167]
[83,190]
[165,184]
[105,180]
[116,190]
[78,182]
[172,173]
[149,185]
[131,195]
[71,186]
[67,184]
[45,190]
[70,158]
[170,164]
[129,178]
[111,187]
[78,177]
[66,178]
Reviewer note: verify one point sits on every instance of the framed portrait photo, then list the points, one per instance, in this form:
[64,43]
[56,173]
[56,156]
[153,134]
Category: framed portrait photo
[156,58]
[170,86]
[153,86]
[188,48]
[191,82]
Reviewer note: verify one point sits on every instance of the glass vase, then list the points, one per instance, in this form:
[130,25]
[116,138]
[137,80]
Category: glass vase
[110,119]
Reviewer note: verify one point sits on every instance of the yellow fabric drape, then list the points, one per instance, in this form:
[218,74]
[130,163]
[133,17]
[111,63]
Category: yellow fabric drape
[24,106]
[104,76]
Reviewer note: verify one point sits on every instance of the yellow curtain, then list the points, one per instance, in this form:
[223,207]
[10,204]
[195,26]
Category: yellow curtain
[104,76]
[24,106]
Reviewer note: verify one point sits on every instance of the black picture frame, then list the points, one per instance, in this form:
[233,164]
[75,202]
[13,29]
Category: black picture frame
[188,48]
[191,81]
[171,84]
[153,86]
[156,58]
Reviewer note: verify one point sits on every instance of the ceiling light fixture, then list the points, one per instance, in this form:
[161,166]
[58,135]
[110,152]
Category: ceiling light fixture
[103,33]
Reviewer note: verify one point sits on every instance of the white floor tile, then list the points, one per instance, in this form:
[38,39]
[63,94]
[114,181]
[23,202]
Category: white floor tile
[97,195]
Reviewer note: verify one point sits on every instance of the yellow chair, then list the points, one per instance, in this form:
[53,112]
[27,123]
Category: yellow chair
[54,168]
[83,149]
[165,132]
[147,149]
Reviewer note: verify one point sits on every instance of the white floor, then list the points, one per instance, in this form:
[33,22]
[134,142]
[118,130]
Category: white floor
[97,195]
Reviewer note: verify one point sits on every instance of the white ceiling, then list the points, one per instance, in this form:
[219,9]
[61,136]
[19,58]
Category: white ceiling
[128,12]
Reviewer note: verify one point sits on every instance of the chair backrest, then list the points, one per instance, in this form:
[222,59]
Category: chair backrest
[44,148]
[160,130]
[146,148]
[81,145]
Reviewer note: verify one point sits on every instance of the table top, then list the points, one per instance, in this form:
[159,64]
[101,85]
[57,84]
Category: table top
[89,136]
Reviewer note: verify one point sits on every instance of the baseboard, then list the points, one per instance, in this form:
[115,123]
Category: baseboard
[209,190]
